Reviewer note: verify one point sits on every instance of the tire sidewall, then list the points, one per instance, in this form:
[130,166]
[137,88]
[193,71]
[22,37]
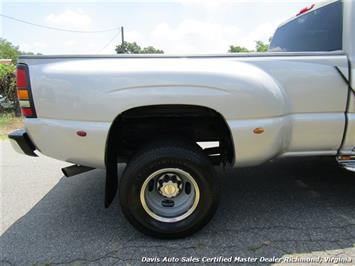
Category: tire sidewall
[197,166]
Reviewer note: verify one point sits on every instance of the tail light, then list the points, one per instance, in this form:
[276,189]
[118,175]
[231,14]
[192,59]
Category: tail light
[304,10]
[24,94]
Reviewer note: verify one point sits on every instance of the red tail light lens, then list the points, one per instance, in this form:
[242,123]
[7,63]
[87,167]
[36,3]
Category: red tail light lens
[306,9]
[21,81]
[24,94]
[27,112]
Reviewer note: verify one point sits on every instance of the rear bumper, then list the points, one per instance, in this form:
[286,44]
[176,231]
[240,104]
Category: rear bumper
[21,142]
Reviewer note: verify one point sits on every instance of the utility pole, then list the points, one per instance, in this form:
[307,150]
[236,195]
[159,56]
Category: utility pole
[122,36]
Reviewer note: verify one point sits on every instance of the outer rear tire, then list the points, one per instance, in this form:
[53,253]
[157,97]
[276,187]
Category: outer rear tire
[184,156]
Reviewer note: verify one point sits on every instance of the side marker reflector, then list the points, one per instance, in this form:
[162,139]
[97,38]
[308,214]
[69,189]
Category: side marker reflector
[81,133]
[258,130]
[345,157]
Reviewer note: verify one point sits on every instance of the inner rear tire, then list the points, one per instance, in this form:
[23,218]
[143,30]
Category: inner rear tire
[169,189]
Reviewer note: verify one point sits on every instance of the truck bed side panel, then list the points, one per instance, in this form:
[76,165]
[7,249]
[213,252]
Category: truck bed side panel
[299,100]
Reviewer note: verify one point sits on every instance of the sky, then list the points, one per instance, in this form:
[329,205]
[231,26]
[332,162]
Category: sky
[176,26]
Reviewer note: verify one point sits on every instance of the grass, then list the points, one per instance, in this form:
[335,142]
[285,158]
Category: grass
[8,123]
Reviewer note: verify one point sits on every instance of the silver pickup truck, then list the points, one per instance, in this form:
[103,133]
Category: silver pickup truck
[170,119]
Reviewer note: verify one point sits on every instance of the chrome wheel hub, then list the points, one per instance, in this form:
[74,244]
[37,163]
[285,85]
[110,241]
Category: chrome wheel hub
[169,195]
[169,185]
[169,189]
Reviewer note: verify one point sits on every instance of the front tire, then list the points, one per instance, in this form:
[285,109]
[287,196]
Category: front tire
[169,190]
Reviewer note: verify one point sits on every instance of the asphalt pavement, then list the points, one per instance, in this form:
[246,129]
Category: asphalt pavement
[296,208]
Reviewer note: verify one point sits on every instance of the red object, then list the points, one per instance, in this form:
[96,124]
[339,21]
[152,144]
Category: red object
[21,80]
[26,111]
[304,10]
[81,133]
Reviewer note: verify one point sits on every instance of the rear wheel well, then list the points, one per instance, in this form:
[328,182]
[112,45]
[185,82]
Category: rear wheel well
[136,127]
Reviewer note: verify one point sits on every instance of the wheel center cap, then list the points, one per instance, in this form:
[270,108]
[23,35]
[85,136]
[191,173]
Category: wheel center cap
[169,189]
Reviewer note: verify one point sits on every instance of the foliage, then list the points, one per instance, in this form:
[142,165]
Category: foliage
[238,49]
[128,48]
[134,48]
[9,122]
[260,47]
[8,50]
[151,50]
[6,69]
[8,98]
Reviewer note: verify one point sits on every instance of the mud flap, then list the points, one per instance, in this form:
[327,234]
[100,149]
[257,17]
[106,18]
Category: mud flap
[111,185]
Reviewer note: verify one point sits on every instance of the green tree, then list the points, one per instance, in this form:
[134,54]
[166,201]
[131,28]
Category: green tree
[151,50]
[261,46]
[238,49]
[128,48]
[8,50]
[134,48]
[8,98]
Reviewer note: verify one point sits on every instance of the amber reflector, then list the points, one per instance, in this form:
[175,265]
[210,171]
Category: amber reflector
[345,157]
[258,130]
[22,94]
